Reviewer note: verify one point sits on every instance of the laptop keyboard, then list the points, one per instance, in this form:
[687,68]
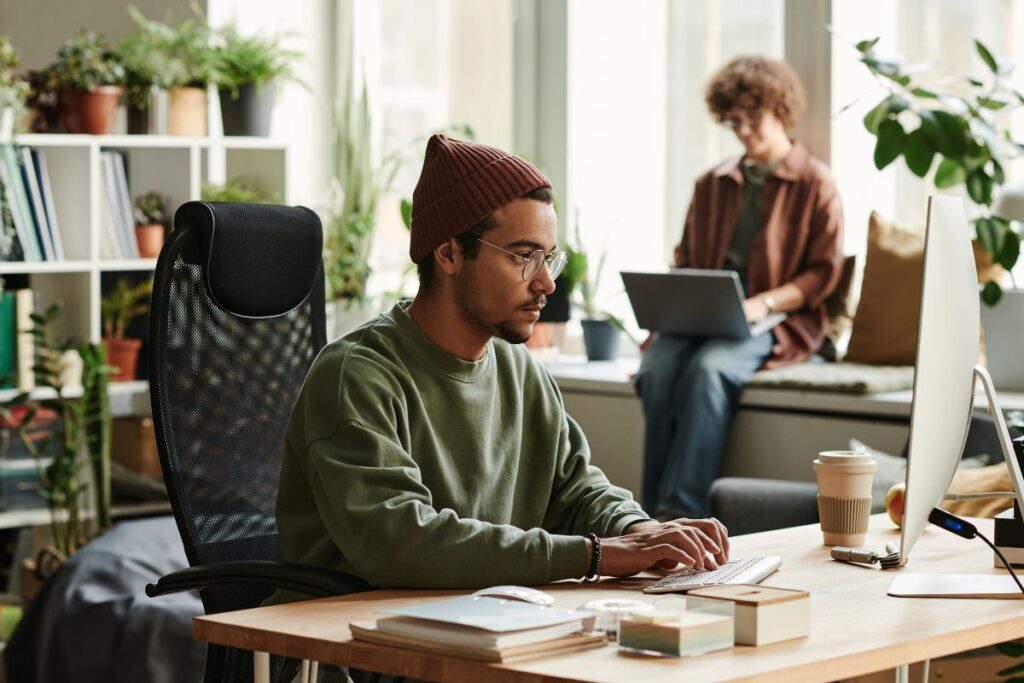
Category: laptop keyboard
[744,570]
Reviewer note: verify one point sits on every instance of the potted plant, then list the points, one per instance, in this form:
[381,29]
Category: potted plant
[239,190]
[965,127]
[247,71]
[87,77]
[146,61]
[122,305]
[150,212]
[185,68]
[359,177]
[601,329]
[963,130]
[13,91]
[61,431]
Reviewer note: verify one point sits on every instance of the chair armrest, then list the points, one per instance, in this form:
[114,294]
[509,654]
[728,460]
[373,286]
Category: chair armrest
[317,582]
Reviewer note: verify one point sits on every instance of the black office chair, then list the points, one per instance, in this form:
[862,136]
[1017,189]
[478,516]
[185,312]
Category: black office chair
[237,318]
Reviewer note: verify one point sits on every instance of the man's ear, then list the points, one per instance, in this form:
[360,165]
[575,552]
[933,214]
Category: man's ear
[448,256]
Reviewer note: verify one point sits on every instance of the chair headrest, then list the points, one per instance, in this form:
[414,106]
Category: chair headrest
[260,260]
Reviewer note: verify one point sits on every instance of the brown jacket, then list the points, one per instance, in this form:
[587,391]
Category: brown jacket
[801,242]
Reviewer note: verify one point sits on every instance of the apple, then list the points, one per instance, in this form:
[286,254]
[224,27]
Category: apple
[894,502]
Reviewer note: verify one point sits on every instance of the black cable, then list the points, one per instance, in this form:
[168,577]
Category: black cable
[964,529]
[1005,563]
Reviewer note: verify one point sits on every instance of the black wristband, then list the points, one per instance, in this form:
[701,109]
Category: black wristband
[594,572]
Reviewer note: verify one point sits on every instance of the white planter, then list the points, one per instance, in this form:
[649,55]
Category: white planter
[1003,326]
[6,124]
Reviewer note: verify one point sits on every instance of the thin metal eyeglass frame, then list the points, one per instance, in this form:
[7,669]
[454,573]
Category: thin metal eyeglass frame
[554,261]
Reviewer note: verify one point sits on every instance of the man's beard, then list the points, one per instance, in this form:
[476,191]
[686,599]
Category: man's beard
[466,296]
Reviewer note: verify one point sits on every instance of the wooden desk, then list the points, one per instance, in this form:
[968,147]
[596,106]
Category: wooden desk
[855,627]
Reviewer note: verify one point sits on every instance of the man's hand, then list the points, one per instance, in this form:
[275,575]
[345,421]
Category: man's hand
[698,543]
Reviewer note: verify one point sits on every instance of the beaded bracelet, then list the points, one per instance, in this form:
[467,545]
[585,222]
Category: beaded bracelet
[594,573]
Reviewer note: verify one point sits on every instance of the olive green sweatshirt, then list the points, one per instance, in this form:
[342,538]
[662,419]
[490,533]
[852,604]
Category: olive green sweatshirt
[411,468]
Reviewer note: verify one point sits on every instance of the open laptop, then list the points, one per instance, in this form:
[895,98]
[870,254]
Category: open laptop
[693,303]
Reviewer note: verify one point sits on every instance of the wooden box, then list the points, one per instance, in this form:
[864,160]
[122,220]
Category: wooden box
[133,444]
[764,615]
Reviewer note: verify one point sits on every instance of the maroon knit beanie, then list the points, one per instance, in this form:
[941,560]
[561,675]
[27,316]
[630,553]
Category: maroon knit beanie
[461,184]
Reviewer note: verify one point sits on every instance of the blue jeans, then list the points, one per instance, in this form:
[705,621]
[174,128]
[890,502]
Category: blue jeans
[690,388]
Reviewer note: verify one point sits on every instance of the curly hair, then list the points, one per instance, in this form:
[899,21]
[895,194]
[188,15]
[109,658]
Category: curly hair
[754,85]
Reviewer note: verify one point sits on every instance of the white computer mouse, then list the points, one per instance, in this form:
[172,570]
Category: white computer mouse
[531,595]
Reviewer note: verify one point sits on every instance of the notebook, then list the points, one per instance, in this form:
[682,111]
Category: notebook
[693,303]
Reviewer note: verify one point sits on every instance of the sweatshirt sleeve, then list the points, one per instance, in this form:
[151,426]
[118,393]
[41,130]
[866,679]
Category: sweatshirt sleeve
[582,500]
[380,514]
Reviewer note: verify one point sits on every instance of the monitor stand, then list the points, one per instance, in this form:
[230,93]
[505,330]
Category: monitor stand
[975,585]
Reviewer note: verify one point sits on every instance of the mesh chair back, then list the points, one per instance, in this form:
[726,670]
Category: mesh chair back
[236,320]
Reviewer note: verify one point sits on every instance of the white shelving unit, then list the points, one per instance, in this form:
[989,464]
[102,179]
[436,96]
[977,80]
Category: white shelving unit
[174,166]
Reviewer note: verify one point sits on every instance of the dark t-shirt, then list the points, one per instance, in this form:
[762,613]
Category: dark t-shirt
[749,221]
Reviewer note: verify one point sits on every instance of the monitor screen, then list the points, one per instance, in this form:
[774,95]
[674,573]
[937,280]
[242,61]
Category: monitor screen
[947,351]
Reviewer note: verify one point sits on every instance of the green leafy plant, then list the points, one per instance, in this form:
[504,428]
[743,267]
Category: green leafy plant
[13,91]
[359,178]
[240,190]
[964,127]
[147,60]
[149,209]
[124,303]
[81,424]
[182,55]
[239,60]
[85,62]
[581,280]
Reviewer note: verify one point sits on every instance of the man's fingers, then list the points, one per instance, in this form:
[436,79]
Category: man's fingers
[685,541]
[668,552]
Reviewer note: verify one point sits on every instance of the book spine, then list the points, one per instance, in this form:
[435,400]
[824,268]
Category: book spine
[10,244]
[12,185]
[31,182]
[24,307]
[7,340]
[48,201]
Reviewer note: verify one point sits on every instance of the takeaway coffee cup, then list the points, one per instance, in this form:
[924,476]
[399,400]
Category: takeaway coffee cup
[844,495]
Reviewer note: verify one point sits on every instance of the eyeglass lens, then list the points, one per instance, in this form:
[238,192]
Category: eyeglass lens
[538,259]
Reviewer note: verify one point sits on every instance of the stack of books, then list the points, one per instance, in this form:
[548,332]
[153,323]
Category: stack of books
[483,628]
[28,218]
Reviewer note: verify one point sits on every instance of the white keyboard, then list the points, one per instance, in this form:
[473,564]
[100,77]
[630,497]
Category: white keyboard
[745,570]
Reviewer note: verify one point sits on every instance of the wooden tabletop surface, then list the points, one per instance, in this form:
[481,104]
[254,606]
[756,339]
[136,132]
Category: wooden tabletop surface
[855,627]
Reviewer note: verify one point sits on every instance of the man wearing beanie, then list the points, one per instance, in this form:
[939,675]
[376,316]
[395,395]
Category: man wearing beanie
[428,449]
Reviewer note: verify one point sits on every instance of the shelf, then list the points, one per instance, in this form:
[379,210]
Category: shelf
[14,519]
[115,389]
[128,264]
[22,267]
[145,141]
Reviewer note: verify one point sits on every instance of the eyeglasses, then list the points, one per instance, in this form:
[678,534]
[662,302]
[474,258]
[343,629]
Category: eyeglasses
[737,120]
[555,261]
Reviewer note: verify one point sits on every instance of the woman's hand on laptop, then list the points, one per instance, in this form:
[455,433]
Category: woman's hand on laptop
[755,309]
[698,543]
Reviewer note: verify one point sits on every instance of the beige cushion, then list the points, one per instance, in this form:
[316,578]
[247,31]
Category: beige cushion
[885,325]
[840,378]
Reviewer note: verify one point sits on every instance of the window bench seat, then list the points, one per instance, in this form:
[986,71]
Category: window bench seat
[777,432]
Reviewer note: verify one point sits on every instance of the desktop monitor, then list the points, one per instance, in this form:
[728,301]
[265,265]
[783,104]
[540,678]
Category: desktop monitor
[947,356]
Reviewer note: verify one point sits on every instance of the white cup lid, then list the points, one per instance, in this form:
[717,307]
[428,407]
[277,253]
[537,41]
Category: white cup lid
[845,458]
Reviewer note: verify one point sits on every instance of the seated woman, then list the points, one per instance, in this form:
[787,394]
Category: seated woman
[774,216]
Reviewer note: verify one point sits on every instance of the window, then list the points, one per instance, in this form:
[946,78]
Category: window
[940,32]
[639,131]
[431,64]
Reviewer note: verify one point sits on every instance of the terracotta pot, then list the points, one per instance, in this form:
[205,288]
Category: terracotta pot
[187,112]
[89,111]
[122,354]
[150,239]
